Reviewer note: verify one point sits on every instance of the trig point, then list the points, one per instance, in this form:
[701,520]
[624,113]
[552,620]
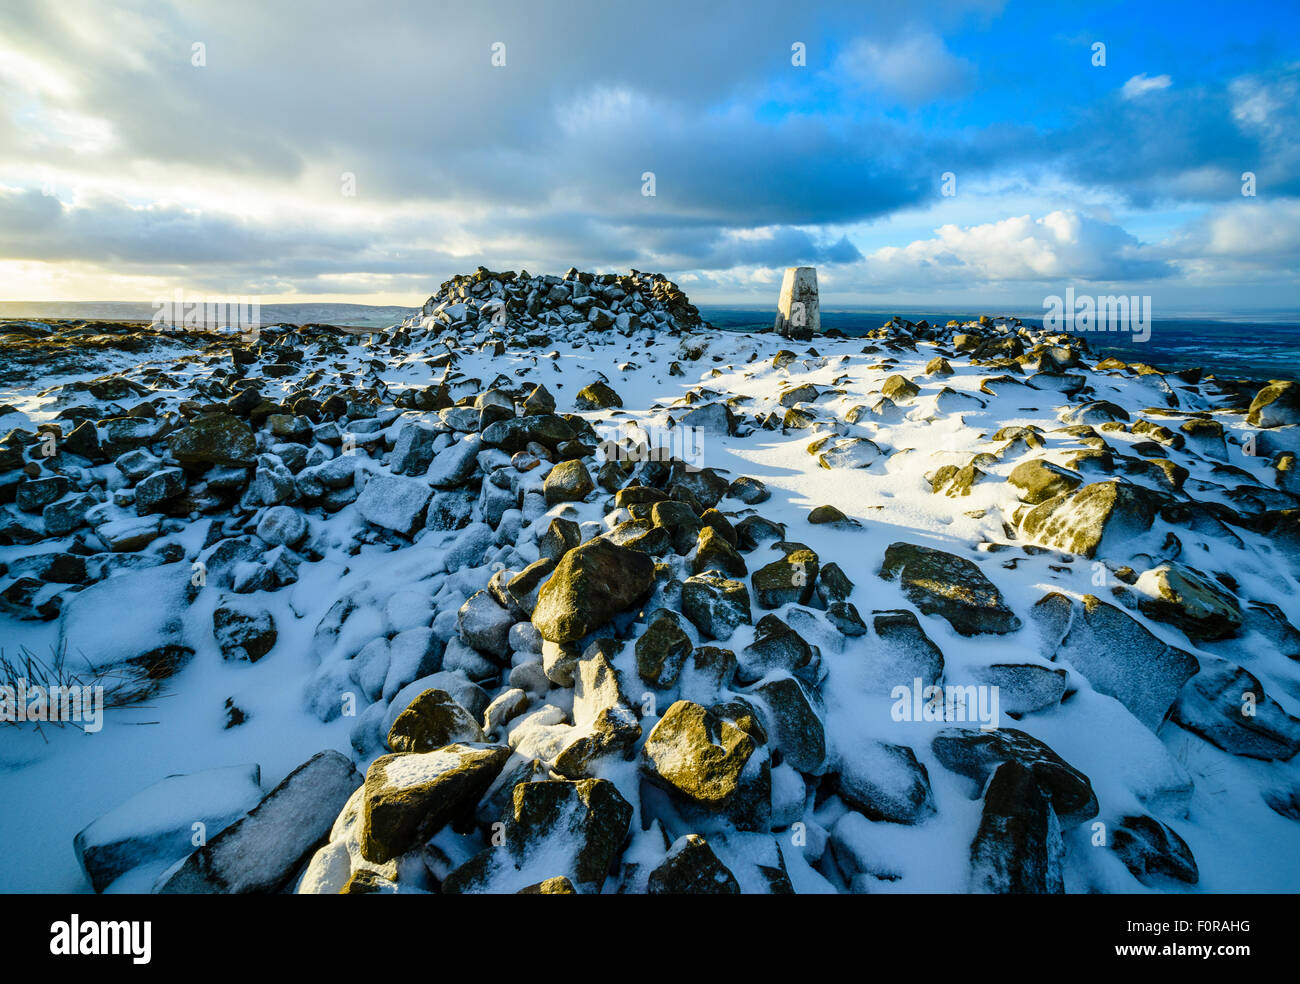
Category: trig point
[798,315]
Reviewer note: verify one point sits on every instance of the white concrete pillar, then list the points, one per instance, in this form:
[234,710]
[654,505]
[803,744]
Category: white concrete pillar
[798,314]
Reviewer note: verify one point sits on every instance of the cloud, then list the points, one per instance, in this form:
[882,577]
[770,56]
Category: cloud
[1140,85]
[229,175]
[1062,245]
[915,70]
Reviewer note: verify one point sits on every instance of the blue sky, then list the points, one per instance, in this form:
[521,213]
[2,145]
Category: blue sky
[149,146]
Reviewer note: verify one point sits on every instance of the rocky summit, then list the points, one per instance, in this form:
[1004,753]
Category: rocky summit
[554,588]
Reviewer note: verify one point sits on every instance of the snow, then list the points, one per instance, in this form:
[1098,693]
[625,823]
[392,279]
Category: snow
[57,783]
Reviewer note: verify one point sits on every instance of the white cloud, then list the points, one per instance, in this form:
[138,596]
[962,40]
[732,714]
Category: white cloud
[1060,245]
[915,69]
[1140,85]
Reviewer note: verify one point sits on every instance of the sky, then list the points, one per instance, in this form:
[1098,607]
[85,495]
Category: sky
[924,154]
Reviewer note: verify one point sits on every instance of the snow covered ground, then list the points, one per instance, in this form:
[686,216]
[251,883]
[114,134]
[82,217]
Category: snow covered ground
[878,463]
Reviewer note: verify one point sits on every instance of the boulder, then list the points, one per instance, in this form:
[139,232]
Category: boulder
[262,851]
[410,797]
[1116,654]
[697,755]
[1018,848]
[1198,605]
[590,585]
[662,649]
[691,868]
[155,826]
[790,580]
[715,605]
[555,828]
[1276,405]
[432,721]
[243,631]
[1104,513]
[394,503]
[1040,480]
[953,587]
[977,754]
[213,439]
[1226,705]
[885,782]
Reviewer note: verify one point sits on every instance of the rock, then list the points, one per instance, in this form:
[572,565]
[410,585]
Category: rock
[900,389]
[571,829]
[282,526]
[1041,480]
[794,721]
[156,825]
[1148,847]
[798,312]
[885,782]
[776,647]
[844,616]
[831,516]
[261,852]
[539,401]
[977,754]
[410,797]
[905,653]
[590,585]
[1276,405]
[1227,706]
[485,626]
[504,708]
[525,586]
[35,494]
[597,396]
[1115,653]
[1183,597]
[1018,848]
[790,580]
[452,467]
[413,450]
[714,553]
[662,650]
[940,583]
[715,605]
[551,886]
[394,503]
[697,755]
[711,418]
[242,631]
[1109,513]
[432,721]
[691,868]
[749,490]
[604,723]
[1023,688]
[561,536]
[145,648]
[213,439]
[568,481]
[1096,412]
[547,430]
[66,515]
[123,535]
[853,452]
